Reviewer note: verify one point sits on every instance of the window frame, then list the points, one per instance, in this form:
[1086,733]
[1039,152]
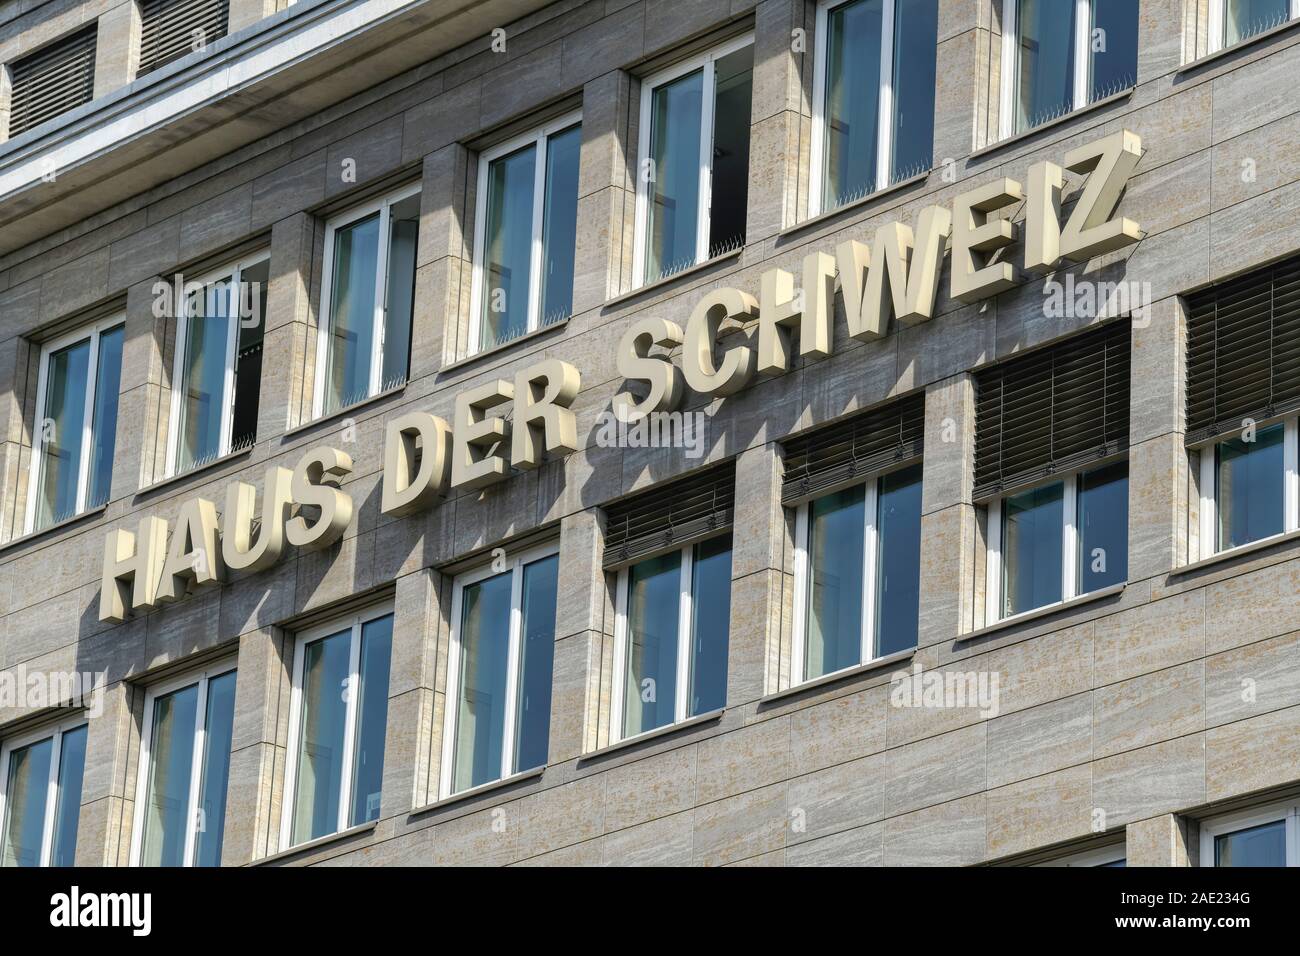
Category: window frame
[382,205]
[200,678]
[233,274]
[353,622]
[1287,810]
[540,139]
[1217,25]
[1071,541]
[92,332]
[1101,856]
[55,731]
[868,638]
[1208,532]
[519,561]
[706,61]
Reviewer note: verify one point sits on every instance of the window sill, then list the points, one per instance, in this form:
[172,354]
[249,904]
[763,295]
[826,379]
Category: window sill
[660,284]
[1039,613]
[664,731]
[316,844]
[870,667]
[489,787]
[1218,55]
[184,475]
[854,206]
[1053,123]
[1223,557]
[53,529]
[345,412]
[503,347]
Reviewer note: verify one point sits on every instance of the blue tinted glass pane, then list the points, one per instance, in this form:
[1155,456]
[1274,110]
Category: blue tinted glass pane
[60,433]
[560,224]
[673,210]
[1045,83]
[852,101]
[108,380]
[1113,44]
[898,598]
[1032,529]
[537,650]
[507,247]
[916,41]
[710,625]
[67,810]
[1246,18]
[484,666]
[352,313]
[320,750]
[836,530]
[1250,487]
[218,722]
[403,241]
[203,376]
[25,793]
[171,756]
[1103,527]
[1258,846]
[372,719]
[653,606]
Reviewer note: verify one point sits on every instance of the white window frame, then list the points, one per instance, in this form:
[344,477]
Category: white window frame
[93,332]
[233,276]
[9,745]
[1217,24]
[649,84]
[516,569]
[383,206]
[1256,816]
[540,139]
[353,623]
[200,679]
[1208,538]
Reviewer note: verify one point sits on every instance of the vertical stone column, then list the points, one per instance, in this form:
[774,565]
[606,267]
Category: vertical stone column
[1166,840]
[967,77]
[108,783]
[758,605]
[244,13]
[6,103]
[18,359]
[606,191]
[144,407]
[289,342]
[117,47]
[440,324]
[579,694]
[780,118]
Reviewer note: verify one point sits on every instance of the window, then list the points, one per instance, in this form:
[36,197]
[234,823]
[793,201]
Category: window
[40,796]
[366,301]
[1110,857]
[526,234]
[171,29]
[218,369]
[502,647]
[1250,486]
[185,766]
[76,425]
[1061,55]
[1268,836]
[671,637]
[873,104]
[337,725]
[693,181]
[56,78]
[1232,21]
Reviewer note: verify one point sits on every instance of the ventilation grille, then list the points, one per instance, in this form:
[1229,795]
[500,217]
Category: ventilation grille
[672,516]
[172,29]
[53,80]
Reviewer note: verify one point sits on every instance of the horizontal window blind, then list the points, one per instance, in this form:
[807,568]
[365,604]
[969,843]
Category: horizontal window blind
[53,80]
[1052,410]
[672,516]
[840,454]
[1243,350]
[170,29]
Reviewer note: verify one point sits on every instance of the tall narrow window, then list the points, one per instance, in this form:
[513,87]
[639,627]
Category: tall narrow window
[337,726]
[1061,55]
[693,180]
[1265,836]
[1232,21]
[502,649]
[218,365]
[874,97]
[185,766]
[40,796]
[76,425]
[526,235]
[366,301]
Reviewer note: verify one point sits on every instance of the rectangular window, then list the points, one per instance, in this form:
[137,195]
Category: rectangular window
[693,161]
[1057,541]
[40,796]
[857,574]
[527,229]
[218,366]
[185,766]
[502,648]
[873,103]
[76,424]
[337,725]
[1233,21]
[1061,55]
[1250,486]
[366,301]
[1269,836]
[58,77]
[671,637]
[171,29]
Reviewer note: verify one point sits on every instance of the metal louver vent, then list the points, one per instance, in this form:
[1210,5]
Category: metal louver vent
[671,516]
[1243,350]
[840,454]
[1052,410]
[171,29]
[56,78]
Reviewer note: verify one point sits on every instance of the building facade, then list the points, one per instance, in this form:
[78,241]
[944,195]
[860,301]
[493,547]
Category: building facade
[653,432]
